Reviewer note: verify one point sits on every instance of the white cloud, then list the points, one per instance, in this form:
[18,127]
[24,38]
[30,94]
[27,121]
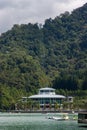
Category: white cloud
[25,11]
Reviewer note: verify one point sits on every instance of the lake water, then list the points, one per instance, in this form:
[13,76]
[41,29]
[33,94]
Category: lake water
[35,121]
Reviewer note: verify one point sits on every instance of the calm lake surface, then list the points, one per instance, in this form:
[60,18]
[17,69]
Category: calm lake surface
[35,121]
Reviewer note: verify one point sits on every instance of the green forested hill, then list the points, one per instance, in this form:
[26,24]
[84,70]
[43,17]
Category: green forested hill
[53,54]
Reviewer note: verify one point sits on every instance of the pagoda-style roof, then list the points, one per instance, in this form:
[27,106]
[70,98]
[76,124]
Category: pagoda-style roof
[47,88]
[47,96]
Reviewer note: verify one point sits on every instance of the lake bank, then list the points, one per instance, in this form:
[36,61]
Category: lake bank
[45,111]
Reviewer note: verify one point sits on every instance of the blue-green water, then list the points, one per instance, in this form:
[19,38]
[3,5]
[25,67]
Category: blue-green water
[35,121]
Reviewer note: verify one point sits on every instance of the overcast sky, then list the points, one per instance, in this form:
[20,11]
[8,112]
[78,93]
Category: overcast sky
[33,11]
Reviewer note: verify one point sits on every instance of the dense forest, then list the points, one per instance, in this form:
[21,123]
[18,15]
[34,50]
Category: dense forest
[54,55]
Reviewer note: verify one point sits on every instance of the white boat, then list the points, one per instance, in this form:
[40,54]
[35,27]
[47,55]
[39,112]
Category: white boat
[64,117]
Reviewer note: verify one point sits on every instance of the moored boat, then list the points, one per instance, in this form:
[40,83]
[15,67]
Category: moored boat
[64,117]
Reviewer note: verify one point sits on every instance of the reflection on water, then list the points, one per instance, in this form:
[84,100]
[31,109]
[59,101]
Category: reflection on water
[35,121]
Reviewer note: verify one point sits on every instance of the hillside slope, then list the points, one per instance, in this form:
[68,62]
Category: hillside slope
[55,54]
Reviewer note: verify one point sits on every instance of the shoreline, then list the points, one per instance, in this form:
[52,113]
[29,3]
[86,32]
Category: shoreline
[44,111]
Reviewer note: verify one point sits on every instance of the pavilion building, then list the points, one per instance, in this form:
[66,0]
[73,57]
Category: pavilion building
[47,96]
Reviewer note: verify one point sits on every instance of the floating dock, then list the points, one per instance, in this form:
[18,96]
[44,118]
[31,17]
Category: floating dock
[82,118]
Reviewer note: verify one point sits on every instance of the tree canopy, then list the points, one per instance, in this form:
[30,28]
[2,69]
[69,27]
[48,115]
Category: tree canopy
[54,54]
